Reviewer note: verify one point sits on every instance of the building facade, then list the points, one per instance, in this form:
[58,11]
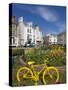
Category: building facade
[25,34]
[61,38]
[13,32]
[50,39]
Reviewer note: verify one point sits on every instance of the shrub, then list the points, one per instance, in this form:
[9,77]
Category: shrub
[17,52]
[56,57]
[36,55]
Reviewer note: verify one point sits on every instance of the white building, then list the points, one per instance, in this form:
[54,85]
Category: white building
[61,38]
[51,39]
[27,34]
[38,36]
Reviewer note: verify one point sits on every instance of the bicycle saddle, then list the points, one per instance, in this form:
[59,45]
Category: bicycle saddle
[31,62]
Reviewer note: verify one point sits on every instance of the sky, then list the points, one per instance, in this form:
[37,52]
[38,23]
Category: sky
[50,19]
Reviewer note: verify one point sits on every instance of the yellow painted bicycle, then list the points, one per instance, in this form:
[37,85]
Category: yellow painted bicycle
[48,74]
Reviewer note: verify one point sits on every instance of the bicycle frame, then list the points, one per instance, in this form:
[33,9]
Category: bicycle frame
[36,74]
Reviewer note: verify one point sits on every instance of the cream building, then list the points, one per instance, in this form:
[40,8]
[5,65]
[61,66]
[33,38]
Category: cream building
[62,38]
[26,34]
[51,39]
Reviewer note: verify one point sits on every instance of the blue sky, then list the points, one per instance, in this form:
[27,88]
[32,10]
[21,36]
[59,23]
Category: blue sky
[50,19]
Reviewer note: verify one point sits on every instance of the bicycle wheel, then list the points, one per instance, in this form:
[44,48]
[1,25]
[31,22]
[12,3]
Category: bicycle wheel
[50,75]
[23,72]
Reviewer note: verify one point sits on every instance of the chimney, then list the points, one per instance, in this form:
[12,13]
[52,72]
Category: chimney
[20,20]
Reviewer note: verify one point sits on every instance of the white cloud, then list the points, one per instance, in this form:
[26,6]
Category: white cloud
[52,16]
[47,14]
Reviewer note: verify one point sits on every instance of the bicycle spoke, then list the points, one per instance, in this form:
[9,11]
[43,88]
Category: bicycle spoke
[50,76]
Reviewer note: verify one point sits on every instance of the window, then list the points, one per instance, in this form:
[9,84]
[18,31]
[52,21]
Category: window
[13,40]
[29,30]
[29,39]
[28,36]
